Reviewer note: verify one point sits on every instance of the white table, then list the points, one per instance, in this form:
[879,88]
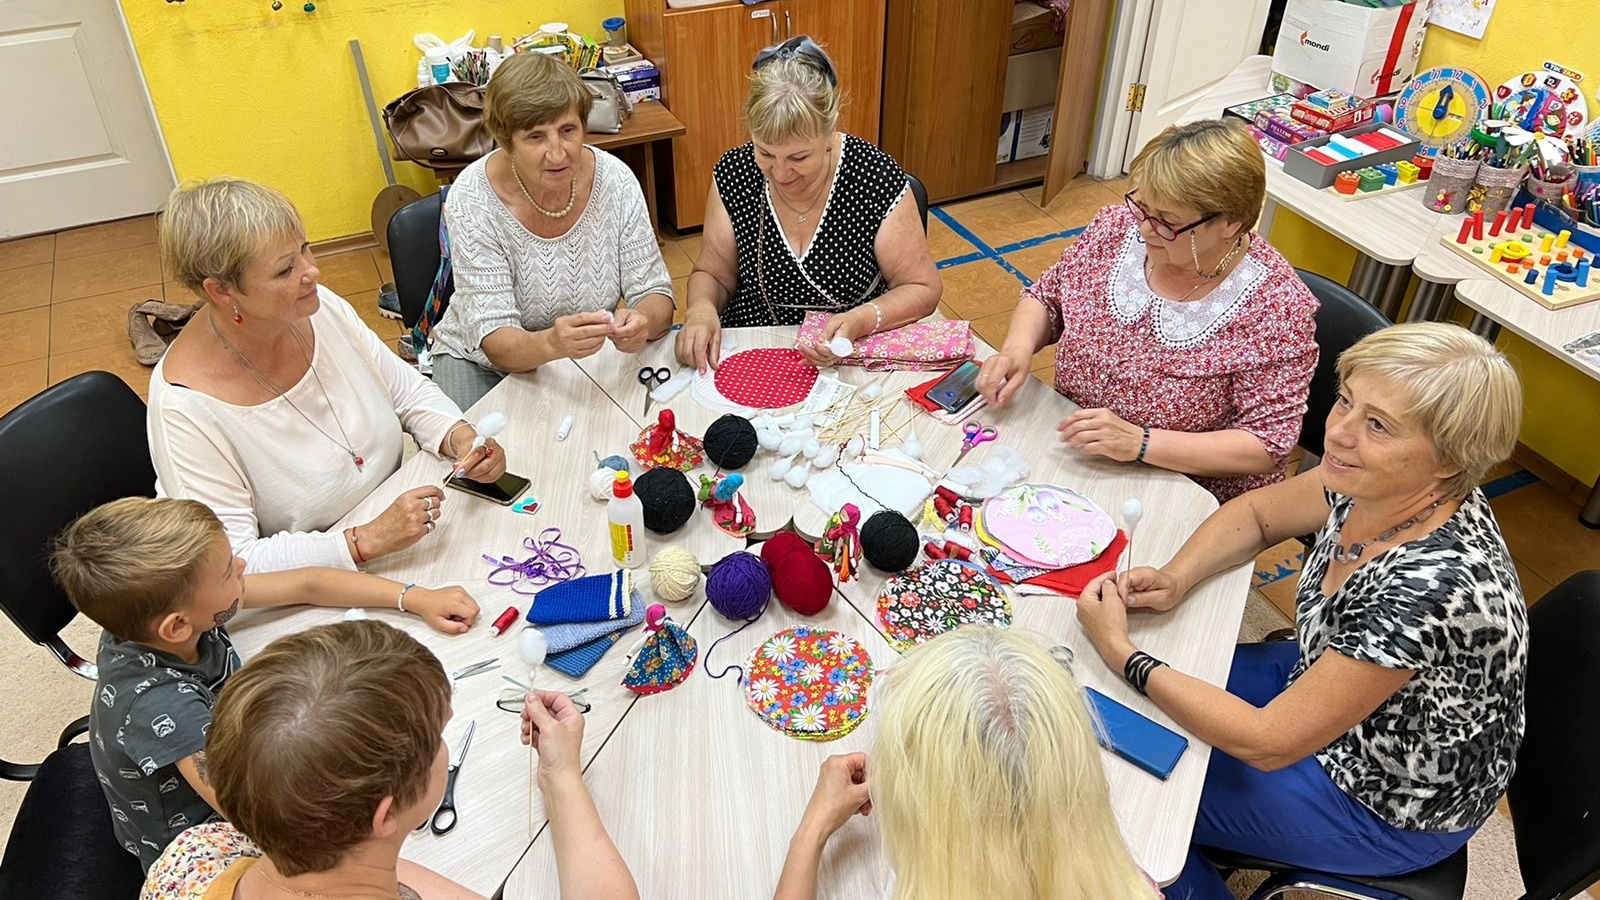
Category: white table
[1388,232]
[699,795]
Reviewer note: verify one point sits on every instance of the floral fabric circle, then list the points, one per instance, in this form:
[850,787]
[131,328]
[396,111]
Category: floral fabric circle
[940,596]
[809,683]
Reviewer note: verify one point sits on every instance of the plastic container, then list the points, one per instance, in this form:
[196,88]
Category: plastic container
[626,515]
[439,66]
[616,31]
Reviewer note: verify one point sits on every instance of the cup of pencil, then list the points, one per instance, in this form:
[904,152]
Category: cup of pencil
[1452,181]
[1551,183]
[1495,186]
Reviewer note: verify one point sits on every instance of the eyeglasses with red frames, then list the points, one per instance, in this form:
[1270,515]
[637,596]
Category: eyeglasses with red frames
[1163,229]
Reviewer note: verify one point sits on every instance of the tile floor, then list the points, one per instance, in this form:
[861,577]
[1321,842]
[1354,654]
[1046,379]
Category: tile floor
[69,294]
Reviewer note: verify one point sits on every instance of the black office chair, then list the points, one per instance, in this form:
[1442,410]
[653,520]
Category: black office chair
[62,846]
[1343,319]
[920,193]
[63,452]
[414,255]
[1556,787]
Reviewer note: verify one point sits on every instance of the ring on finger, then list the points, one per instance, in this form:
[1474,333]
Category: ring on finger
[433,514]
[427,503]
[431,526]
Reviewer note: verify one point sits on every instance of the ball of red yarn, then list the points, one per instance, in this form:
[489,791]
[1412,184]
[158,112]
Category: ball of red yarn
[800,578]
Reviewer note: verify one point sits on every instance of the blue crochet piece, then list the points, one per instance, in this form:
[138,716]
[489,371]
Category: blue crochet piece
[567,635]
[594,598]
[576,662]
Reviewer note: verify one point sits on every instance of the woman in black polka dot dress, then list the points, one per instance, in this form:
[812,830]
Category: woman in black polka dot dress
[805,217]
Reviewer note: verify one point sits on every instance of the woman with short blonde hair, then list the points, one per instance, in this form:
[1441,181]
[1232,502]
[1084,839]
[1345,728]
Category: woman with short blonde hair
[1187,340]
[1381,739]
[985,778]
[277,406]
[550,242]
[805,218]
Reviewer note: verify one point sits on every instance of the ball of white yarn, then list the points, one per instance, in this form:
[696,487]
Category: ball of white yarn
[600,482]
[674,574]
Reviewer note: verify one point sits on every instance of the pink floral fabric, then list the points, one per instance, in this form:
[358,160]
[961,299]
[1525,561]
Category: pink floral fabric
[195,859]
[1240,358]
[909,348]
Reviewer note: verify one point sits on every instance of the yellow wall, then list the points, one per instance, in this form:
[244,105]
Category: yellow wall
[1563,405]
[273,96]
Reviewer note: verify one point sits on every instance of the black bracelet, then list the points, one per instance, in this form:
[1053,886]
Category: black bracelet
[1144,444]
[1136,671]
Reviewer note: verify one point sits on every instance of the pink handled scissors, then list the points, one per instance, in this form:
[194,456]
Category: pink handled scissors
[975,434]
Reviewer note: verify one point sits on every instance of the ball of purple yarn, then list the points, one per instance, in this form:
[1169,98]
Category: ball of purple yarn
[738,585]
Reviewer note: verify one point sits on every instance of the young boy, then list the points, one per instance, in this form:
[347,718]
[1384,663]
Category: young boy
[159,576]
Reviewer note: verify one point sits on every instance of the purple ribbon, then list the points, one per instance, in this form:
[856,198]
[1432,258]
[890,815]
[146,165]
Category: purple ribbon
[552,562]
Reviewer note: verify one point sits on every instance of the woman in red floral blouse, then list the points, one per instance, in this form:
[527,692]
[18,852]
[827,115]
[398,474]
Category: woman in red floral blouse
[1188,342]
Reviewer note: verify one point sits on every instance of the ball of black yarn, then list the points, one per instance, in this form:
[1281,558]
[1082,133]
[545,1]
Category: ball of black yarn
[730,442]
[889,541]
[667,498]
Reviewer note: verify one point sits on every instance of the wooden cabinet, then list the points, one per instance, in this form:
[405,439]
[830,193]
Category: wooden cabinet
[943,86]
[705,54]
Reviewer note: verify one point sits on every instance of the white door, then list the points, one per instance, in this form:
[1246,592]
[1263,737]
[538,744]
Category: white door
[78,137]
[1164,54]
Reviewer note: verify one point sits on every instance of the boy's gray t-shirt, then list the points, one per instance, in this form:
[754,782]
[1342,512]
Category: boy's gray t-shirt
[152,709]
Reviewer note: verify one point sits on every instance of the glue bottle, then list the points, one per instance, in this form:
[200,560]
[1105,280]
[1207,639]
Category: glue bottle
[626,515]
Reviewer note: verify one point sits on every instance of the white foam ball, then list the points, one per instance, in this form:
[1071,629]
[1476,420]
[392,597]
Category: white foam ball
[791,445]
[769,438]
[826,458]
[854,447]
[812,448]
[1132,511]
[533,646]
[796,477]
[780,468]
[841,346]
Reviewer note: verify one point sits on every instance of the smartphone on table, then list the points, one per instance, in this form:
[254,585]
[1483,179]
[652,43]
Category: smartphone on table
[503,491]
[1134,736]
[957,388]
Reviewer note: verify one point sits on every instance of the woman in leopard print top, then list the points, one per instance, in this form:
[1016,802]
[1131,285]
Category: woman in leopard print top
[1381,740]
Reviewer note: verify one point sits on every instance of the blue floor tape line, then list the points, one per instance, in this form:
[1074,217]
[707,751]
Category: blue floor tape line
[1502,486]
[994,254]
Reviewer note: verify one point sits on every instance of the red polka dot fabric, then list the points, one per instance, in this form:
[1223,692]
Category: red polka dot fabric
[767,378]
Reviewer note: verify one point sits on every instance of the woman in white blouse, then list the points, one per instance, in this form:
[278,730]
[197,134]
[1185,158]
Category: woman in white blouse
[546,236]
[277,406]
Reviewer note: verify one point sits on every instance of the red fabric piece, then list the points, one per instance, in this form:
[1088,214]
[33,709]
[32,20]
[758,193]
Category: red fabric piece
[767,378]
[1071,581]
[919,394]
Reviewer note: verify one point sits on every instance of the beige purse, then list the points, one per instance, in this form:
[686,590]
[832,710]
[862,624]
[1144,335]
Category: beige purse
[611,104]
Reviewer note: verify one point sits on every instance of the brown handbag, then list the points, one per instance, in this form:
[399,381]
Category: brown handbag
[439,126]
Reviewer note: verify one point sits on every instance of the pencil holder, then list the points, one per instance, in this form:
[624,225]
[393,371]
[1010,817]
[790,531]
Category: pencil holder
[1450,184]
[1495,187]
[1588,178]
[1551,189]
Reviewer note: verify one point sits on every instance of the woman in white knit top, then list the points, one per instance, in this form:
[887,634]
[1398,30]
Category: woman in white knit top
[277,407]
[546,236]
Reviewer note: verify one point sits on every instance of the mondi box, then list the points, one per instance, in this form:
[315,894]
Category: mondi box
[1356,48]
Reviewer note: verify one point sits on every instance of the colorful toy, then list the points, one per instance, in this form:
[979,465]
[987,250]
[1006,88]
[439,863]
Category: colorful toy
[1440,106]
[729,511]
[1553,283]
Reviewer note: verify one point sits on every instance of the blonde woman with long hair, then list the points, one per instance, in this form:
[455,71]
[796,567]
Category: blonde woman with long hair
[985,779]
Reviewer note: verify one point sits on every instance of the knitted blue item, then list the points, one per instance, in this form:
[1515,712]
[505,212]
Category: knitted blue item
[595,598]
[567,635]
[579,660]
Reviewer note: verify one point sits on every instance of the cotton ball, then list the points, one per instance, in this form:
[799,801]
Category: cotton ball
[600,482]
[532,646]
[803,424]
[826,459]
[674,574]
[769,438]
[840,346]
[1132,511]
[873,391]
[791,445]
[781,468]
[854,447]
[912,447]
[797,476]
[812,448]
[763,421]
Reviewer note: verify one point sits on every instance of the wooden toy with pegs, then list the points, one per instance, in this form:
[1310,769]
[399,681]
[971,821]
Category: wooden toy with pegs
[1543,266]
[1375,181]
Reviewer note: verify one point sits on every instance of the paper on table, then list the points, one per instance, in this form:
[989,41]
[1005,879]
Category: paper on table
[1586,348]
[901,489]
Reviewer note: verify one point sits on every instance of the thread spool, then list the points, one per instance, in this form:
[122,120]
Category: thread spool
[667,498]
[800,579]
[674,574]
[889,541]
[738,585]
[731,442]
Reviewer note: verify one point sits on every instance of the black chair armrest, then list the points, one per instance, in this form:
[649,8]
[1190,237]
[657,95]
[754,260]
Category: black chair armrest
[80,726]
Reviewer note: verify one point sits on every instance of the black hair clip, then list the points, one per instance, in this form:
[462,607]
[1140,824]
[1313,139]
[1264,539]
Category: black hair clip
[804,48]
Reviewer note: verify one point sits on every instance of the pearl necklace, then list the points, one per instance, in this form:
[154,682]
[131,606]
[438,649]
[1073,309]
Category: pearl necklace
[572,196]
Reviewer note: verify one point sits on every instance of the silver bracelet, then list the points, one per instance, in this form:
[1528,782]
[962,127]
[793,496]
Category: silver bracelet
[878,313]
[401,602]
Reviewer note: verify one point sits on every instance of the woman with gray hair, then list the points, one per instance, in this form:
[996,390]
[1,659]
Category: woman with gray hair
[1381,740]
[805,217]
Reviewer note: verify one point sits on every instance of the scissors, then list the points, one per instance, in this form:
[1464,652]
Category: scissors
[652,379]
[444,819]
[975,434]
[473,669]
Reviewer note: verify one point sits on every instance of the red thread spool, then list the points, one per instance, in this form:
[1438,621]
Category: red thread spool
[966,518]
[950,497]
[954,550]
[932,550]
[943,508]
[506,620]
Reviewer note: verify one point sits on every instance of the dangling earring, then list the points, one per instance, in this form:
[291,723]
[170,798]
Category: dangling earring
[237,318]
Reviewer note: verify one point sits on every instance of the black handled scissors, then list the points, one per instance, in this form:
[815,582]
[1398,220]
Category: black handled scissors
[444,818]
[652,379]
